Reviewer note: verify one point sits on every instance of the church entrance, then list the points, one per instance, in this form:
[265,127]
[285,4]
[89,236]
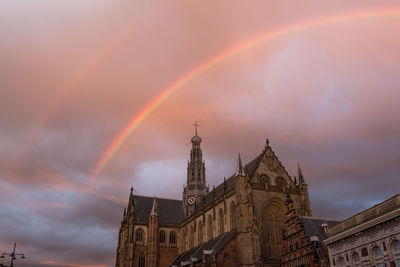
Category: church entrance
[272,224]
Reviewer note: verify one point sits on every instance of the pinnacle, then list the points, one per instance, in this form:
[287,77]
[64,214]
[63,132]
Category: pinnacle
[154,208]
[239,168]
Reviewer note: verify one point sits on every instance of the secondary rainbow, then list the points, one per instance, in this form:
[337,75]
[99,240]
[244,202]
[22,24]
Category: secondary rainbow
[138,118]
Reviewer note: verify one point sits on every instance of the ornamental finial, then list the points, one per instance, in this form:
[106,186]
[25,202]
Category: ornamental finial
[196,125]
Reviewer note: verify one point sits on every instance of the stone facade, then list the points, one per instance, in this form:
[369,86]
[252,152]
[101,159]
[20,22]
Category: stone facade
[369,238]
[237,223]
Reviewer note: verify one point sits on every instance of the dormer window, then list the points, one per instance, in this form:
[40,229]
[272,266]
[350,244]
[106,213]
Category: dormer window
[325,227]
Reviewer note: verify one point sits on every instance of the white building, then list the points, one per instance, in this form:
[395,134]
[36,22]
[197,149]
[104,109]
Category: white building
[369,238]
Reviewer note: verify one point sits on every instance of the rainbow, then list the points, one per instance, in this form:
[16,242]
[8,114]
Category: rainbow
[138,118]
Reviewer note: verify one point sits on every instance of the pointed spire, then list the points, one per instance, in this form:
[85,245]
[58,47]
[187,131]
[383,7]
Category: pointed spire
[300,174]
[239,168]
[131,196]
[154,208]
[295,180]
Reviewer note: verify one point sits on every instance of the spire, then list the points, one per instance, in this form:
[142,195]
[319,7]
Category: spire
[154,208]
[267,143]
[131,203]
[239,168]
[131,196]
[300,174]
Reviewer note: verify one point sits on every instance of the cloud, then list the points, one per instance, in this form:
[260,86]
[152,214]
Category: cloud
[71,76]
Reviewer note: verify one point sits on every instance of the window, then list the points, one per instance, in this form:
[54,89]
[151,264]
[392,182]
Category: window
[356,260]
[232,214]
[172,237]
[141,260]
[341,262]
[396,251]
[139,235]
[221,221]
[162,236]
[209,228]
[297,245]
[191,237]
[200,233]
[378,256]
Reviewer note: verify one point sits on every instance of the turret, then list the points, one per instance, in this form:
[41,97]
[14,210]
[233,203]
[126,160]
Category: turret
[244,214]
[305,208]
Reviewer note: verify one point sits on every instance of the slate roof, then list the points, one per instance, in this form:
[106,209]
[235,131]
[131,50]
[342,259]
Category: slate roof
[169,210]
[230,183]
[312,226]
[217,244]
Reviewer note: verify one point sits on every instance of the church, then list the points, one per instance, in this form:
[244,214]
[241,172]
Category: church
[240,222]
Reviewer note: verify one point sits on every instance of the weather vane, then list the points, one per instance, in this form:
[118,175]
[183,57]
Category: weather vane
[196,125]
[12,256]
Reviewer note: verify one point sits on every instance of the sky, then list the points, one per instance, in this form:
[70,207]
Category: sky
[97,96]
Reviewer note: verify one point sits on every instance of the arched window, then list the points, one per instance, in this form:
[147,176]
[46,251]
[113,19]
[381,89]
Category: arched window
[356,259]
[139,235]
[341,262]
[161,237]
[183,239]
[232,214]
[378,256]
[141,260]
[172,237]
[191,237]
[396,251]
[200,233]
[221,221]
[209,228]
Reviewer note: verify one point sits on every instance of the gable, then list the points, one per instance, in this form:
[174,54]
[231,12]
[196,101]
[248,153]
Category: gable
[266,168]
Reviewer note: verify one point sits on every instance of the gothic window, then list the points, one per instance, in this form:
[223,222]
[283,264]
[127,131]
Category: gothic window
[183,240]
[232,215]
[162,236]
[172,237]
[209,228]
[341,262]
[356,259]
[139,235]
[264,179]
[221,221]
[396,251]
[281,182]
[378,256]
[141,260]
[272,223]
[191,237]
[200,233]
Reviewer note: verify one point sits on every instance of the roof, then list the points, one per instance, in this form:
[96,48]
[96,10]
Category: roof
[169,210]
[313,227]
[216,245]
[219,191]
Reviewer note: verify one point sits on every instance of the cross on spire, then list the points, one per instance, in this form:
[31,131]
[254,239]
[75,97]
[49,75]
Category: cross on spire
[196,125]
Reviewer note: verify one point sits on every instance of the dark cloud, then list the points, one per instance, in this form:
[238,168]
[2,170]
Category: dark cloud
[72,76]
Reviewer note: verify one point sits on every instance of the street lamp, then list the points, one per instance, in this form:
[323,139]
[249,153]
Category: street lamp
[12,255]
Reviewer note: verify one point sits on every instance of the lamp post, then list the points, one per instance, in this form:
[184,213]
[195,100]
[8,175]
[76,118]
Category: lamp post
[12,255]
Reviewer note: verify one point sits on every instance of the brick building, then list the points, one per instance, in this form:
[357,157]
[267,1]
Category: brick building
[237,223]
[303,239]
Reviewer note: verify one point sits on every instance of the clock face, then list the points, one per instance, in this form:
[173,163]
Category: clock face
[191,200]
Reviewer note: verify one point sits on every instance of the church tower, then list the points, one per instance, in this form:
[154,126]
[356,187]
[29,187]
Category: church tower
[195,187]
